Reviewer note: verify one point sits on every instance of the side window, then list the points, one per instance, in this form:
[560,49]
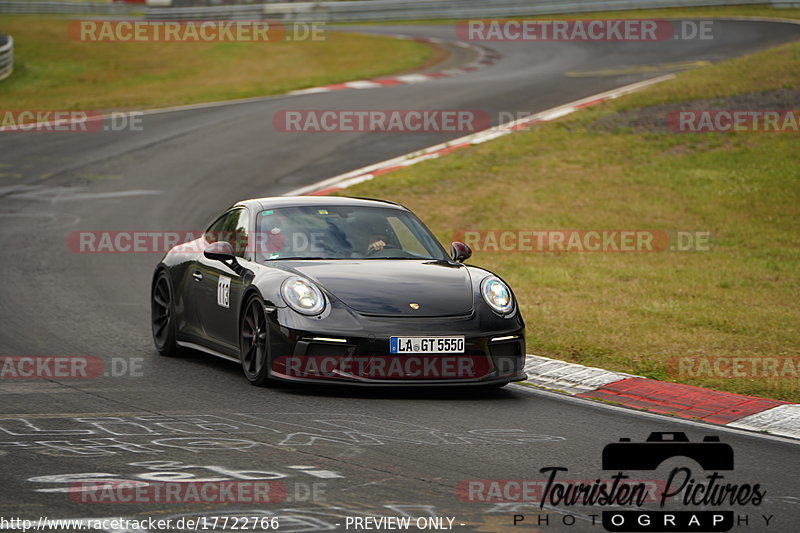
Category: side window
[215,230]
[231,227]
[240,233]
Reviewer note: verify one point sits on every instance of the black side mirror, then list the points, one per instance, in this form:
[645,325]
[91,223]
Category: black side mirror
[220,251]
[460,252]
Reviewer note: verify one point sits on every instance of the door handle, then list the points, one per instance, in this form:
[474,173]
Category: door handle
[197,275]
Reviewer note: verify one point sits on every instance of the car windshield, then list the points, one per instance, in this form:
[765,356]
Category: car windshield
[315,232]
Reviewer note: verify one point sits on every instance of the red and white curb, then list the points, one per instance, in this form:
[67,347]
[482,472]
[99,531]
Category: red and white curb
[683,401]
[367,173]
[485,58]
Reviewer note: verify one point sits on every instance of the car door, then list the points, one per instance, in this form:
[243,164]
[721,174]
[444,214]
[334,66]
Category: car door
[190,286]
[219,286]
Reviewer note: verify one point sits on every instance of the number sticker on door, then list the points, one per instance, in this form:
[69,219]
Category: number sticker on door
[224,292]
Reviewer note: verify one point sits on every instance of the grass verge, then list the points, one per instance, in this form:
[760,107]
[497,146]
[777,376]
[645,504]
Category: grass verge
[755,10]
[53,71]
[637,312]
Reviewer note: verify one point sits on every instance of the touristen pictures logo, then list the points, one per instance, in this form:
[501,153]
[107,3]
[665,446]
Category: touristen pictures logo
[649,486]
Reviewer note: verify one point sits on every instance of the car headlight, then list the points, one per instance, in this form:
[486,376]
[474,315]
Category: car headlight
[303,296]
[497,295]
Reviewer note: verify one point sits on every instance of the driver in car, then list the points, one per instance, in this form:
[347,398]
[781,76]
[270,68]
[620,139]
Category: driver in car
[377,242]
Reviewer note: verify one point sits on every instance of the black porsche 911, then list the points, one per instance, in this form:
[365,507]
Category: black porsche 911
[316,289]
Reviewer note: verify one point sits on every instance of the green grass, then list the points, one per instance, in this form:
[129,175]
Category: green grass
[53,71]
[681,12]
[756,10]
[634,312]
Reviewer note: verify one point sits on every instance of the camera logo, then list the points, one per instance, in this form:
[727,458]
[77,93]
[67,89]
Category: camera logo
[710,454]
[682,487]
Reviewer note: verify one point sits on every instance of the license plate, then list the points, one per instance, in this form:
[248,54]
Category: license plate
[400,345]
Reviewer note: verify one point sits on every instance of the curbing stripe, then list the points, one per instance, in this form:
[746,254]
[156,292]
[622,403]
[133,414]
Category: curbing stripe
[680,400]
[412,78]
[364,84]
[485,58]
[567,377]
[782,420]
[659,397]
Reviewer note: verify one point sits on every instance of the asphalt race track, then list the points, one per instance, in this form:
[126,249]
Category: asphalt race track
[338,453]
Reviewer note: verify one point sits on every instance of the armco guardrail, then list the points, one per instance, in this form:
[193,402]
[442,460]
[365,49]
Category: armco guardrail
[231,12]
[6,56]
[67,8]
[384,10]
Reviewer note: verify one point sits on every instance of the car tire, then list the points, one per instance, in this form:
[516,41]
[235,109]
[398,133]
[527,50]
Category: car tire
[162,316]
[254,342]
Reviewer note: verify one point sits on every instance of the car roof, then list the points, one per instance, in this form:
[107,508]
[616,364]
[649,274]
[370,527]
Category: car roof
[274,202]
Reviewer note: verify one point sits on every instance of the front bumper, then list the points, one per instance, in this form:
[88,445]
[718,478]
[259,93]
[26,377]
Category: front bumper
[344,346]
[327,357]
